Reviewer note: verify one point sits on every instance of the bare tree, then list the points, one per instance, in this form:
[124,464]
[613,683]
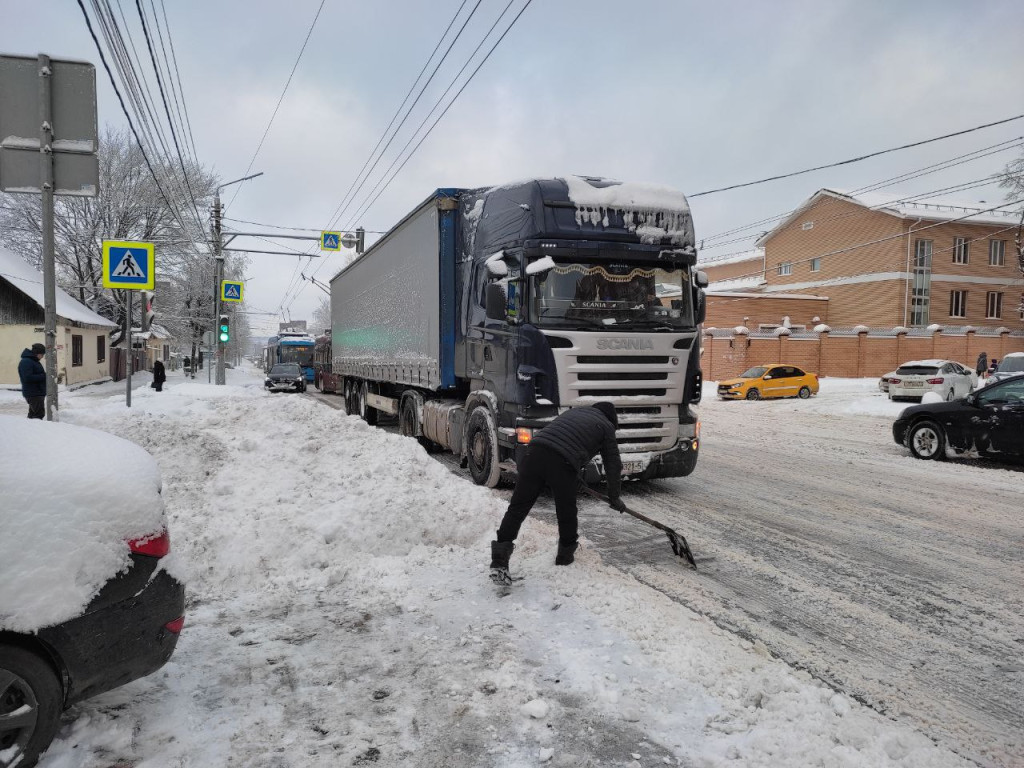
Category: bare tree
[130,205]
[1012,179]
[322,316]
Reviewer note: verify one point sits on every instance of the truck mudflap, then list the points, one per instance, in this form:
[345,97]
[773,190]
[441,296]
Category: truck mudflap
[680,461]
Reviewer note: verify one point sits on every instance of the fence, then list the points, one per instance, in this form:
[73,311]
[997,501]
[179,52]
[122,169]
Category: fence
[849,353]
[119,359]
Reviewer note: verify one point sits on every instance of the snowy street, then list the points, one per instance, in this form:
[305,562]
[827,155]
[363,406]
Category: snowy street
[339,611]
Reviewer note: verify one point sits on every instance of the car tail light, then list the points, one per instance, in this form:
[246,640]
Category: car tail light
[176,625]
[936,381]
[153,546]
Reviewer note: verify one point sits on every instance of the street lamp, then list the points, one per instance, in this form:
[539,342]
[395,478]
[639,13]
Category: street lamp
[219,255]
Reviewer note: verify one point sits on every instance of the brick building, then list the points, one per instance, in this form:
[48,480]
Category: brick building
[874,261]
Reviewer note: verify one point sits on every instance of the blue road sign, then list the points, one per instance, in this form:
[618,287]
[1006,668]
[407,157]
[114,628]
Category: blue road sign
[231,290]
[330,241]
[128,265]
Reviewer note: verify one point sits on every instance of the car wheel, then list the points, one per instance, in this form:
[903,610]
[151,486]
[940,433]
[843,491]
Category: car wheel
[481,447]
[926,440]
[804,393]
[753,394]
[366,412]
[30,704]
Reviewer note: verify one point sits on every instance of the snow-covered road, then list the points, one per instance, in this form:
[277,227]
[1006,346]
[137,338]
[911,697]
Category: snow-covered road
[340,613]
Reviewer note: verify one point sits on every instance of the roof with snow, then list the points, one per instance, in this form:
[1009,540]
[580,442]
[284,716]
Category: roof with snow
[907,207]
[731,258]
[29,281]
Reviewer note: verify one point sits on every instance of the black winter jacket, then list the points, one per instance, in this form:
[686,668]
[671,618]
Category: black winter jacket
[159,374]
[581,433]
[32,374]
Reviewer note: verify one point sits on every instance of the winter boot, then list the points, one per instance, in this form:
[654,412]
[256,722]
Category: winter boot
[501,551]
[566,553]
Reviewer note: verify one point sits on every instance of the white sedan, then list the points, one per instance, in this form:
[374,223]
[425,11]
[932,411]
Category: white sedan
[948,378]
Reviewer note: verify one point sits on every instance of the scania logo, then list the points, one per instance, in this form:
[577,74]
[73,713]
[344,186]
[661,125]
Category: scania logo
[625,344]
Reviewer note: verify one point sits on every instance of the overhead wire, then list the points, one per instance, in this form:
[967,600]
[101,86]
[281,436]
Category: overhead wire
[128,117]
[857,159]
[917,173]
[449,105]
[270,123]
[178,91]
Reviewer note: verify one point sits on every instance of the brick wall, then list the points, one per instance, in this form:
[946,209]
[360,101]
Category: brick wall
[846,356]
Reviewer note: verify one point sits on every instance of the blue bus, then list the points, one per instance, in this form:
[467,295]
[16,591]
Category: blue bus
[290,347]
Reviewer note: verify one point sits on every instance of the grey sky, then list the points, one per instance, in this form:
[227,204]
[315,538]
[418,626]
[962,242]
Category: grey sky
[693,95]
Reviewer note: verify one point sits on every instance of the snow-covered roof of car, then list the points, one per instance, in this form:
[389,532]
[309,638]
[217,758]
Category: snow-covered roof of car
[73,497]
[936,363]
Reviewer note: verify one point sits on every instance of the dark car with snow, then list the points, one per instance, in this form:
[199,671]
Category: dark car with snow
[286,377]
[1011,365]
[987,423]
[88,596]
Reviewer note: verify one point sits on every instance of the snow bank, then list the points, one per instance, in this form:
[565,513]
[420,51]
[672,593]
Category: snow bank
[71,498]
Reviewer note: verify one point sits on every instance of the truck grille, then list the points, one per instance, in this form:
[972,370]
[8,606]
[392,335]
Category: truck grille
[621,360]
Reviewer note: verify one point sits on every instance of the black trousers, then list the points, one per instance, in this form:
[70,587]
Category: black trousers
[36,407]
[540,467]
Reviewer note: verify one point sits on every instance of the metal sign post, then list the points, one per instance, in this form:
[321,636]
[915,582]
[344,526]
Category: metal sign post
[54,100]
[130,360]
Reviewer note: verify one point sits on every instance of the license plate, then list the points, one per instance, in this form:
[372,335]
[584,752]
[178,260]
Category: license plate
[628,467]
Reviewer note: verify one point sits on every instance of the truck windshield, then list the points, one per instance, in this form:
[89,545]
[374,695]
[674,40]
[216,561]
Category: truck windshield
[580,295]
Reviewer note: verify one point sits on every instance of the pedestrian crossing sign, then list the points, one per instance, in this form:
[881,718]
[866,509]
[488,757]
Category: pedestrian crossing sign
[127,264]
[330,241]
[231,290]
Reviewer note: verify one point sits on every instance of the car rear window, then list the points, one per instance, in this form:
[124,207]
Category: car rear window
[917,370]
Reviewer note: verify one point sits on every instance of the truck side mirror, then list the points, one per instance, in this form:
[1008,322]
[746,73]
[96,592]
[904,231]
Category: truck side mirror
[496,301]
[700,278]
[702,306]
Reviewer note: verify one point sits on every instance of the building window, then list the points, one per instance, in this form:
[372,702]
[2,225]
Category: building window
[101,349]
[167,352]
[807,225]
[958,303]
[786,268]
[922,280]
[993,305]
[76,351]
[960,250]
[815,265]
[996,253]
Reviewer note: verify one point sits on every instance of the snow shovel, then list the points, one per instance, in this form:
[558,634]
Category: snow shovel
[677,540]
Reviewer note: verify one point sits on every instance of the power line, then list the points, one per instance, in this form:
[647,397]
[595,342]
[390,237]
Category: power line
[183,105]
[294,229]
[449,107]
[281,99]
[856,159]
[366,207]
[128,117]
[343,205]
[917,173]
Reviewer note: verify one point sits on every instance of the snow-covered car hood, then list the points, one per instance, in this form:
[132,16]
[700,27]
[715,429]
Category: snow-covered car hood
[72,498]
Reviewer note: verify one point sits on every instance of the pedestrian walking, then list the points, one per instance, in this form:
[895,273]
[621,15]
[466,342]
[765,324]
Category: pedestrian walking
[982,367]
[33,380]
[159,376]
[993,366]
[554,458]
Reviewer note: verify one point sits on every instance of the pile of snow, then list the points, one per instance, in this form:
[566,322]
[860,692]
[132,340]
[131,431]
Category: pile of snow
[340,614]
[72,498]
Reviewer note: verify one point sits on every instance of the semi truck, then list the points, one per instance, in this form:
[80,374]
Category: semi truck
[484,313]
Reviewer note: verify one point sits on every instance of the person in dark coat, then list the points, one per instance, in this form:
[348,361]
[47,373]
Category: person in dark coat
[159,376]
[554,458]
[982,367]
[33,380]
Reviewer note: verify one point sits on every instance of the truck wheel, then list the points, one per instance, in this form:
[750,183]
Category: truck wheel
[482,447]
[30,688]
[366,413]
[346,391]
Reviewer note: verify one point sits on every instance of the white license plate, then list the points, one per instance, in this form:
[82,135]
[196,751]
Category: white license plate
[628,467]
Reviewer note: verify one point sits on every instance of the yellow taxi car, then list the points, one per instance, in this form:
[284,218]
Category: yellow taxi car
[763,381]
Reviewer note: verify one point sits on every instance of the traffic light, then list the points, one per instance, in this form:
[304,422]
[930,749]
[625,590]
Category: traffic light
[224,333]
[147,310]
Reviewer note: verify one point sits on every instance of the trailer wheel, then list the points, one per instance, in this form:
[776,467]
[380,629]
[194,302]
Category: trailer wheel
[366,413]
[346,391]
[481,447]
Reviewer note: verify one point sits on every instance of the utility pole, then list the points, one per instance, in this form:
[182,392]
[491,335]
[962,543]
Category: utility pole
[49,270]
[218,252]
